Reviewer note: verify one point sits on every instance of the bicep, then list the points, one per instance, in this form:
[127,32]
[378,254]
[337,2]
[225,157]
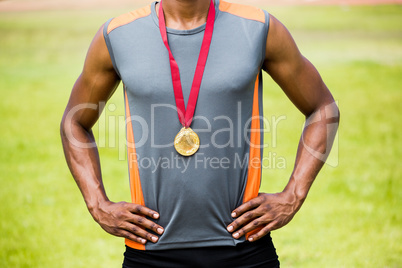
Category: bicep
[94,86]
[297,77]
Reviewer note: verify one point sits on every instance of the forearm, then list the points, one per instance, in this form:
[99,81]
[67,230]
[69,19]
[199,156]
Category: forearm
[313,149]
[83,161]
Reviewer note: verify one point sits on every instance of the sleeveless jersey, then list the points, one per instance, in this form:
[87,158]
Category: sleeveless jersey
[194,195]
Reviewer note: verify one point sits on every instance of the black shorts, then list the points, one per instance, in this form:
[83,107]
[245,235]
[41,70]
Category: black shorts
[258,254]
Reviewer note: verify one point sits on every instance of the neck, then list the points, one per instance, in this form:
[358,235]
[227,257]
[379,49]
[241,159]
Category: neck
[184,14]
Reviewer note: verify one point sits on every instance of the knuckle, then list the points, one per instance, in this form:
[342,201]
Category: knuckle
[118,214]
[135,229]
[148,236]
[267,207]
[119,225]
[119,233]
[150,212]
[252,203]
[124,234]
[131,237]
[137,209]
[116,232]
[256,223]
[140,220]
[248,215]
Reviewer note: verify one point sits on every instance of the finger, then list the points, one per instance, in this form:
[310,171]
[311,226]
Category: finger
[243,220]
[132,237]
[138,209]
[253,203]
[145,223]
[140,232]
[263,232]
[248,228]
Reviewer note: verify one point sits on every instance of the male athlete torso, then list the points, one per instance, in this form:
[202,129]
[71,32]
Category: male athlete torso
[203,210]
[194,195]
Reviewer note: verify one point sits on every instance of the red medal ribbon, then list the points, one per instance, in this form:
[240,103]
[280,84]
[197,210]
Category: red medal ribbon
[186,116]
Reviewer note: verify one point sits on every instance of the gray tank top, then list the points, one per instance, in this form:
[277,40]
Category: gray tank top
[194,195]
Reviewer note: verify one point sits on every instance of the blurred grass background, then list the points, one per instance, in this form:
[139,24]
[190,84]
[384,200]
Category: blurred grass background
[352,217]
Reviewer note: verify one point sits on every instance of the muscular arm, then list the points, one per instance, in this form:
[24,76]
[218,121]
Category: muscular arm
[303,85]
[94,86]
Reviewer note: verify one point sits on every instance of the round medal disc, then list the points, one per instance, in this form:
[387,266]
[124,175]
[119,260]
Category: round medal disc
[186,142]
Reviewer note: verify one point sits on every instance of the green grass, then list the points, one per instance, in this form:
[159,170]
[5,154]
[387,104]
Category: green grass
[352,215]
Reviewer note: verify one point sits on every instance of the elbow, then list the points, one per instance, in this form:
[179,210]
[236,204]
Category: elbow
[67,127]
[334,113]
[73,133]
[330,112]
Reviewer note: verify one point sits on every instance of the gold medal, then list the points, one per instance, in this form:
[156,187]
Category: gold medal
[186,142]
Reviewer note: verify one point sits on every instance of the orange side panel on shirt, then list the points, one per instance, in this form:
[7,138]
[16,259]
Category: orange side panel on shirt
[135,183]
[254,166]
[247,12]
[128,17]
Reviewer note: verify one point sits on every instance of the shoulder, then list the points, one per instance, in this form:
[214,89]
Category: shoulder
[127,18]
[244,11]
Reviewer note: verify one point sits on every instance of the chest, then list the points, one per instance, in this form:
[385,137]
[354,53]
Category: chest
[232,65]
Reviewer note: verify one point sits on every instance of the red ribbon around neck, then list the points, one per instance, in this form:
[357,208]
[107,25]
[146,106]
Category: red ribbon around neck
[186,115]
